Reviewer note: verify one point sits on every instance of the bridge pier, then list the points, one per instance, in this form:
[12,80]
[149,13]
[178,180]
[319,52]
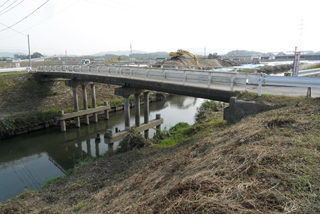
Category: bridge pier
[85,104]
[125,93]
[146,112]
[76,114]
[126,109]
[137,110]
[93,95]
[76,105]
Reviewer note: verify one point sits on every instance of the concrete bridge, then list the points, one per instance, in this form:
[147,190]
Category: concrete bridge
[137,80]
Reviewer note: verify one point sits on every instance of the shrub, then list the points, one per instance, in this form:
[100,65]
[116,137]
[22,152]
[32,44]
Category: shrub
[206,106]
[133,140]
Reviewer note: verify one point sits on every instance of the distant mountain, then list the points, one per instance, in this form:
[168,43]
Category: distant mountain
[10,54]
[242,52]
[150,55]
[118,53]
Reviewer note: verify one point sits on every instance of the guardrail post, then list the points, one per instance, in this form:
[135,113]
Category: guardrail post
[164,75]
[209,79]
[232,81]
[146,75]
[309,92]
[130,73]
[260,86]
[185,77]
[98,70]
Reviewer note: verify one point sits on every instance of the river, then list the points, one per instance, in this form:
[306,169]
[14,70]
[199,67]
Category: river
[27,160]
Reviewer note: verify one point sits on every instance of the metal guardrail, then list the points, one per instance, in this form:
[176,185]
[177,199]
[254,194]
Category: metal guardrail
[184,76]
[14,69]
[264,79]
[309,72]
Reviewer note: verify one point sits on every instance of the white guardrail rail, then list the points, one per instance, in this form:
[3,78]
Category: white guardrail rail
[264,79]
[308,72]
[200,78]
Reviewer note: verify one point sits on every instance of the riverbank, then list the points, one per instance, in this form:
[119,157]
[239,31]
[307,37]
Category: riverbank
[27,105]
[267,163]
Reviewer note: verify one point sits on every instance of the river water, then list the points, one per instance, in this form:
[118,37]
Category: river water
[27,160]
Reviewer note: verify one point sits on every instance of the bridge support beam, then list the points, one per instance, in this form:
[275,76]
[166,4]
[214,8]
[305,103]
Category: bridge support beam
[146,112]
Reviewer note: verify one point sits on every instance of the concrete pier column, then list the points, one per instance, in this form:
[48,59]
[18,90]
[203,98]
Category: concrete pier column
[125,92]
[63,125]
[126,108]
[97,149]
[85,104]
[158,128]
[80,149]
[76,105]
[137,109]
[93,94]
[88,148]
[106,112]
[146,112]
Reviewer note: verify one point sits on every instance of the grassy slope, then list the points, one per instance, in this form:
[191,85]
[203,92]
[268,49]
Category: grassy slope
[268,163]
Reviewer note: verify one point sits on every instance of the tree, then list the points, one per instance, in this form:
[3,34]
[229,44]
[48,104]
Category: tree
[36,55]
[213,56]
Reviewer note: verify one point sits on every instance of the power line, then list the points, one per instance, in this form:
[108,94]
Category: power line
[24,17]
[11,8]
[39,22]
[4,3]
[10,5]
[12,29]
[52,16]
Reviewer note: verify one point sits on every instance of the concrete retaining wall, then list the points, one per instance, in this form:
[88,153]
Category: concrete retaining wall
[239,109]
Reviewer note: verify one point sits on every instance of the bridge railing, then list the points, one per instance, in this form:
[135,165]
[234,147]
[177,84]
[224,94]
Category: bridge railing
[263,79]
[183,76]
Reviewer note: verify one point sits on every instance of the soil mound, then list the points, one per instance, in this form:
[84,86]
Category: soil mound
[189,63]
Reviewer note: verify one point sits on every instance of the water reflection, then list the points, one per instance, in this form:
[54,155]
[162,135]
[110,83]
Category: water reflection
[26,161]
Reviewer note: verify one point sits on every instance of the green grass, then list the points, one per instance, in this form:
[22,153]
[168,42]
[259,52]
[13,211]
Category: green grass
[13,74]
[116,103]
[50,181]
[315,66]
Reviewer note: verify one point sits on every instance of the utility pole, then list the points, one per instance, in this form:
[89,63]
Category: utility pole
[29,52]
[131,53]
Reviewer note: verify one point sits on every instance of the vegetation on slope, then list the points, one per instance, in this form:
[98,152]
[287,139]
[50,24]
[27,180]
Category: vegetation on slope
[267,163]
